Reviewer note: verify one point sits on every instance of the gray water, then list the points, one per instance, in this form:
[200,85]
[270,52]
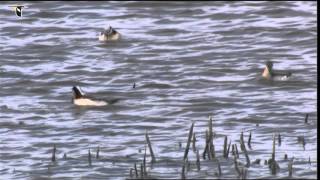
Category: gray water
[189,60]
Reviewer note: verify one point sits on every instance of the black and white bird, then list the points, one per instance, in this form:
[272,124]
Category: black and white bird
[109,34]
[80,99]
[270,74]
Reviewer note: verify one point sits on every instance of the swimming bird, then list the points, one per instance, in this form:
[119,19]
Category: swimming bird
[80,99]
[270,74]
[18,9]
[109,35]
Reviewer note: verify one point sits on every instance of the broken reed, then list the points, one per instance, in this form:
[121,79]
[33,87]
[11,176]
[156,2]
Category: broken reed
[188,164]
[241,140]
[53,158]
[236,150]
[290,167]
[233,150]
[273,148]
[236,166]
[243,173]
[206,146]
[144,160]
[97,154]
[210,128]
[153,158]
[141,170]
[89,157]
[209,147]
[219,168]
[249,140]
[302,140]
[210,150]
[194,142]
[188,142]
[225,147]
[306,118]
[131,175]
[243,148]
[228,150]
[198,160]
[183,176]
[136,170]
[279,139]
[273,165]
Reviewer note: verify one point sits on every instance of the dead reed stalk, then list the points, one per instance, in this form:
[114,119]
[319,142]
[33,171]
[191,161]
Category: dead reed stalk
[153,158]
[188,143]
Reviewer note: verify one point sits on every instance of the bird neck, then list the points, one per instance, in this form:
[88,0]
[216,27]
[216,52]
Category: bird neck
[266,73]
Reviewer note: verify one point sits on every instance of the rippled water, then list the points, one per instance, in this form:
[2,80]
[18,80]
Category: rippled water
[189,61]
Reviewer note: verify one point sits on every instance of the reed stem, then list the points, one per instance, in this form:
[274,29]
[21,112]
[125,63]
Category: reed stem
[225,147]
[279,139]
[183,176]
[227,155]
[89,157]
[153,159]
[194,142]
[188,143]
[243,147]
[273,148]
[249,140]
[219,168]
[141,170]
[97,154]
[236,166]
[136,170]
[198,160]
[53,158]
[306,118]
[290,168]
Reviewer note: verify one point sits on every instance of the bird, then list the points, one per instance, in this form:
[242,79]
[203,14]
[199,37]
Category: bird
[80,99]
[109,34]
[270,74]
[18,9]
